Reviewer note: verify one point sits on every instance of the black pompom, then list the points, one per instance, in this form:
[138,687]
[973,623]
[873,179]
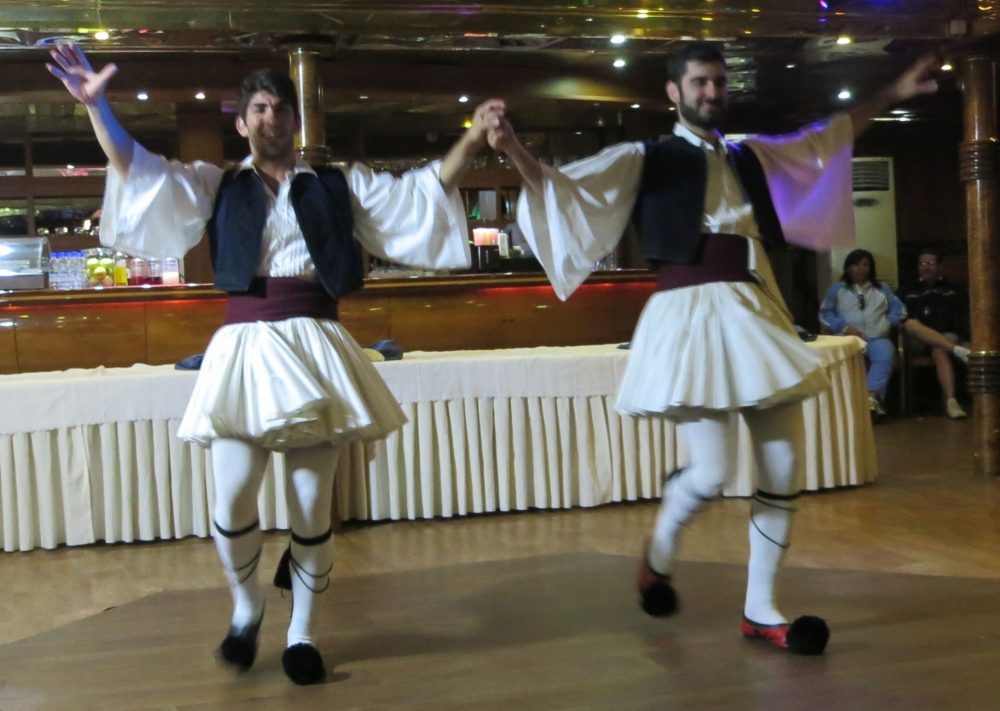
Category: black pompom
[283,575]
[659,600]
[239,648]
[808,635]
[303,664]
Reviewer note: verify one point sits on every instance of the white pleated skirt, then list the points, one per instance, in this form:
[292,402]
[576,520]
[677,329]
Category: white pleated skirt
[716,347]
[286,384]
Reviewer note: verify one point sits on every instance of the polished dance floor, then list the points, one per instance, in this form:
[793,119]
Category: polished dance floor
[537,610]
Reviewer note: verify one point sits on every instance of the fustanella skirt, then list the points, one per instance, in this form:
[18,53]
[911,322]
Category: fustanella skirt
[720,346]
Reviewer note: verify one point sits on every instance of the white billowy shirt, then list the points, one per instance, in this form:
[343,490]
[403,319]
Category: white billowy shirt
[161,207]
[582,208]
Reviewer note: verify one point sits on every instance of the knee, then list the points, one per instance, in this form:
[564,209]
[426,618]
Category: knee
[706,480]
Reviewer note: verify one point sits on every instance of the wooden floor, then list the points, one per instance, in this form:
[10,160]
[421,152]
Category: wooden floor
[537,611]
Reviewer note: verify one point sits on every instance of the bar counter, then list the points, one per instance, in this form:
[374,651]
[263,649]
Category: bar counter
[118,327]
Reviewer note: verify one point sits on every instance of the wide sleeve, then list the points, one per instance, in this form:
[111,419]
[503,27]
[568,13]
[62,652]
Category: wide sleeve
[160,208]
[809,176]
[580,212]
[409,219]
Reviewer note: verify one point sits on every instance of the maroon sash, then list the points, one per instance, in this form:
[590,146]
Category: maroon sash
[278,298]
[721,257]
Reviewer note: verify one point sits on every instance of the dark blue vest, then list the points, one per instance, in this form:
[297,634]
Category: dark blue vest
[322,205]
[671,199]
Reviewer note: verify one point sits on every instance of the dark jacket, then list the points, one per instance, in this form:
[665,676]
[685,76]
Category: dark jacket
[671,199]
[322,204]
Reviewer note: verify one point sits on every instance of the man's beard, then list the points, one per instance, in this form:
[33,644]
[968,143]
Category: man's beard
[275,150]
[708,123]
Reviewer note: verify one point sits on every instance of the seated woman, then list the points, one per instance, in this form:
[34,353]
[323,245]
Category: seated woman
[859,305]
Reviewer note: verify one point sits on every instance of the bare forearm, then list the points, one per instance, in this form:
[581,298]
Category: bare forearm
[527,165]
[864,113]
[117,144]
[458,160]
[913,82]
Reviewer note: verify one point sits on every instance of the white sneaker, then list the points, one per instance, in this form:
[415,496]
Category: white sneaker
[962,353]
[954,410]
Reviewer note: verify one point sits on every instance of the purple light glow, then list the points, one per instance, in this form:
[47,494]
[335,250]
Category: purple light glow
[824,5]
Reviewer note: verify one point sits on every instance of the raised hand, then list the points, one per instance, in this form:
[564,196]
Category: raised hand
[73,69]
[487,116]
[916,80]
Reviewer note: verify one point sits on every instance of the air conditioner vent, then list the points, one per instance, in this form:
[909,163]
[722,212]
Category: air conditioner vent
[870,175]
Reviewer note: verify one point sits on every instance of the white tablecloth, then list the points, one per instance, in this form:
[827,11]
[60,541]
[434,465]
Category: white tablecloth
[90,455]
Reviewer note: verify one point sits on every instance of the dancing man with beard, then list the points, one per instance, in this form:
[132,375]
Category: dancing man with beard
[716,338]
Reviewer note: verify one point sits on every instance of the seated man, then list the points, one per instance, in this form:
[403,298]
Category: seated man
[937,320]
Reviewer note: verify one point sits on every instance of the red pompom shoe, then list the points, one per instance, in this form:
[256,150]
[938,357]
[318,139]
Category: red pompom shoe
[806,635]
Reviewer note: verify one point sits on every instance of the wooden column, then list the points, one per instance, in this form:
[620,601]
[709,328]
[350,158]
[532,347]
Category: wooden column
[199,137]
[978,157]
[311,139]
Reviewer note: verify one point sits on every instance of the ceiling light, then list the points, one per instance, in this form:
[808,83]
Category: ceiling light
[617,39]
[635,106]
[200,96]
[642,14]
[619,63]
[102,35]
[467,123]
[946,67]
[843,39]
[142,96]
[70,166]
[844,94]
[790,65]
[900,112]
[363,97]
[463,99]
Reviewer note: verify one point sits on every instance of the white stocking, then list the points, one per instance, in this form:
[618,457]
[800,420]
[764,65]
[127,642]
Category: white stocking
[237,470]
[776,433]
[309,483]
[711,447]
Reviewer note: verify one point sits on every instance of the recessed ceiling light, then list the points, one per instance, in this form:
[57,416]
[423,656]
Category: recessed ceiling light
[363,97]
[463,99]
[642,14]
[790,65]
[619,63]
[142,96]
[635,106]
[102,35]
[844,94]
[946,67]
[200,96]
[70,166]
[843,39]
[617,39]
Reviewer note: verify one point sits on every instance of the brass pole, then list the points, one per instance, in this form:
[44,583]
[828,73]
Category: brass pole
[978,157]
[311,138]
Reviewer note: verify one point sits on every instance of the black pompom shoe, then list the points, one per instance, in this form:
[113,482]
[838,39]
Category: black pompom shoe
[806,635]
[303,664]
[239,648]
[657,596]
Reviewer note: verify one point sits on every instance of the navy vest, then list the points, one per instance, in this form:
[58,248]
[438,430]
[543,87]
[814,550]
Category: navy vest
[322,205]
[671,199]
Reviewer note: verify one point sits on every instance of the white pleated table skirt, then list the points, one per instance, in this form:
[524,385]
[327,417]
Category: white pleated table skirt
[92,455]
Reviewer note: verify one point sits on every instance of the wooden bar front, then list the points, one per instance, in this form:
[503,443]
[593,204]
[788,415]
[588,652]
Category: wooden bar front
[51,330]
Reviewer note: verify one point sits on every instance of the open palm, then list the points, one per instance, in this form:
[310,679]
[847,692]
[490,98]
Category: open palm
[73,69]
